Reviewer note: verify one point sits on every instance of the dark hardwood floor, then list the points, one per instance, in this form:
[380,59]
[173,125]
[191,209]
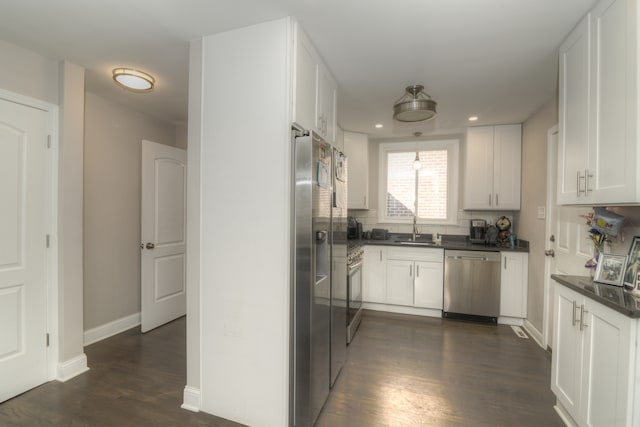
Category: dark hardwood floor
[135,380]
[419,371]
[401,371]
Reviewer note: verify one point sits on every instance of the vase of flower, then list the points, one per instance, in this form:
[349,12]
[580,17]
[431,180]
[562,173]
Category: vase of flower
[604,227]
[592,263]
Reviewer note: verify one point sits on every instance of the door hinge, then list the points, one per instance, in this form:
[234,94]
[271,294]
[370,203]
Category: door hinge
[47,339]
[47,239]
[48,141]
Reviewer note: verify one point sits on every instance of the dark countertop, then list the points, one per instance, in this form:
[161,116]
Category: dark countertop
[614,297]
[452,242]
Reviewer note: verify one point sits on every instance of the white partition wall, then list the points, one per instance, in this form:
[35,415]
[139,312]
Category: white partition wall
[244,224]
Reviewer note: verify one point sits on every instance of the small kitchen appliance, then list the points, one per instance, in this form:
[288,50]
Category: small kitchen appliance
[354,228]
[478,231]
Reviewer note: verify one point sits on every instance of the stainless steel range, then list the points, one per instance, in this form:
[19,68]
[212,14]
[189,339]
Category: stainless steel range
[355,254]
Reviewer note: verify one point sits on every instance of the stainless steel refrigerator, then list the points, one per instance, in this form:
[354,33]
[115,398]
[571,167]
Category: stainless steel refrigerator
[314,259]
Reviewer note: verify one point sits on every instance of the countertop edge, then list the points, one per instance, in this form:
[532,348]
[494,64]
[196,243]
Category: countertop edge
[445,245]
[614,297]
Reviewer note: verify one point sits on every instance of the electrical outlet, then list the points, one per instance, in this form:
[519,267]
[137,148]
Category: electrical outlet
[541,212]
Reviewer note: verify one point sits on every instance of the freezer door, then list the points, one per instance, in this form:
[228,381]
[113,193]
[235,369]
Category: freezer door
[313,194]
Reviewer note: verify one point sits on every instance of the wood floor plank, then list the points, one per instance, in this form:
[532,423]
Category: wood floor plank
[400,371]
[415,371]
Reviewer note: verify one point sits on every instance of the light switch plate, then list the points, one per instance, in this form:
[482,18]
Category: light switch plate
[541,212]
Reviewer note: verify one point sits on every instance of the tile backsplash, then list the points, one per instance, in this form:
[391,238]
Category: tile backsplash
[369,220]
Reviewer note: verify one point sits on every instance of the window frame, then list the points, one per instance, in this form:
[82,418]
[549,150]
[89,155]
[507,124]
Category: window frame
[453,157]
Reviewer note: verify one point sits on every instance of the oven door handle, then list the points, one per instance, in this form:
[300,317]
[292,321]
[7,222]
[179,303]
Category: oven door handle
[354,267]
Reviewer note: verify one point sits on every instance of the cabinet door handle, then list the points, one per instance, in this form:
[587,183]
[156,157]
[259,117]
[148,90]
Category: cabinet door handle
[411,271]
[580,178]
[417,271]
[497,204]
[489,199]
[582,313]
[365,200]
[573,314]
[380,255]
[587,175]
[578,184]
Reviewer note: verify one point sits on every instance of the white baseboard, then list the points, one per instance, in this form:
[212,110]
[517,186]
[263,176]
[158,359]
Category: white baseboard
[401,309]
[564,415]
[511,321]
[191,400]
[72,368]
[110,329]
[534,332]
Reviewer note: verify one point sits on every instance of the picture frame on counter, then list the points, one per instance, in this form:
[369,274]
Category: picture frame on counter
[612,293]
[633,263]
[611,269]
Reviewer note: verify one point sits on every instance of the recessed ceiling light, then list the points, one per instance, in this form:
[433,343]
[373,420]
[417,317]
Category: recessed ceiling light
[379,125]
[473,118]
[133,80]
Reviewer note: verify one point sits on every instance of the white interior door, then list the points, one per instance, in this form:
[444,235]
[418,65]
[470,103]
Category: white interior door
[23,286]
[571,244]
[163,258]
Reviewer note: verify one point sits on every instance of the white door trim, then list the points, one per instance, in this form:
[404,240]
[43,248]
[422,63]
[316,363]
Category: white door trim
[51,268]
[550,204]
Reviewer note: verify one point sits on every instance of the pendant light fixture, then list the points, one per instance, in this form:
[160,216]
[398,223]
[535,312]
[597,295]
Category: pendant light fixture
[414,105]
[417,165]
[133,80]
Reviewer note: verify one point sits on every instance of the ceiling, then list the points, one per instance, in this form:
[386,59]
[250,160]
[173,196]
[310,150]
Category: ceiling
[496,59]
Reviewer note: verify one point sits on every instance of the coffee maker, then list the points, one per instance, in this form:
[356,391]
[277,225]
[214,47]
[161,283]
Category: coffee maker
[478,231]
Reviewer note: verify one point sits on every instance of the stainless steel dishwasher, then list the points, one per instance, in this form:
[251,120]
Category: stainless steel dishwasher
[472,285]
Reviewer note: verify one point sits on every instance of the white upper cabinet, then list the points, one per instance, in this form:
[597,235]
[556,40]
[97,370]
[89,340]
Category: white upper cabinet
[315,89]
[574,113]
[339,139]
[493,168]
[356,148]
[326,107]
[598,146]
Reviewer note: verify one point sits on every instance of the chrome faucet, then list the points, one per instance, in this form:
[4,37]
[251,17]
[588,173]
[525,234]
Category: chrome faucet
[415,230]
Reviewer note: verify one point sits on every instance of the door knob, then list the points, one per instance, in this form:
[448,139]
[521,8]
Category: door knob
[550,253]
[150,246]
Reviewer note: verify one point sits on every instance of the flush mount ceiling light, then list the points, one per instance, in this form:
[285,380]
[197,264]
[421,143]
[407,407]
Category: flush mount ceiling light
[414,105]
[473,118]
[133,80]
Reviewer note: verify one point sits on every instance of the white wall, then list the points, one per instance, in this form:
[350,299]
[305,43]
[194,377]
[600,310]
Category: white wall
[244,251]
[70,239]
[192,395]
[27,73]
[181,139]
[60,83]
[112,188]
[534,194]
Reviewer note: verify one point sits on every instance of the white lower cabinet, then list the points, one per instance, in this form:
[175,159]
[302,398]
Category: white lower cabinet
[428,285]
[375,274]
[513,284]
[593,361]
[407,277]
[400,274]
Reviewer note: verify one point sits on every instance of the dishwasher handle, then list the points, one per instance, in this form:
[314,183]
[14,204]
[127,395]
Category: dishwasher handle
[470,258]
